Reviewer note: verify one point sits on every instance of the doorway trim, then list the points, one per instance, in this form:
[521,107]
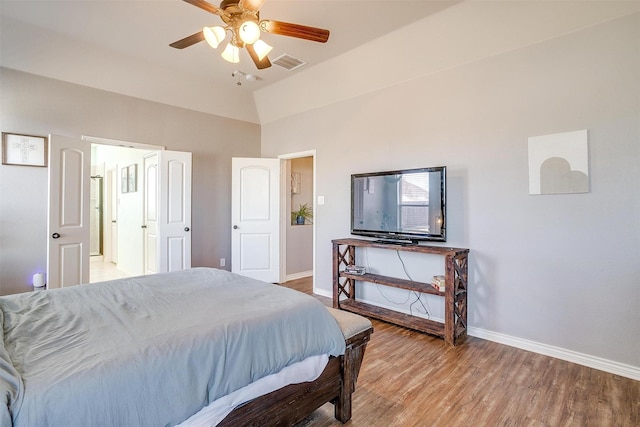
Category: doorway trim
[91,140]
[286,217]
[119,143]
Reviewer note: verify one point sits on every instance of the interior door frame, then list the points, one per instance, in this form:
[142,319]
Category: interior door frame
[285,216]
[124,144]
[110,215]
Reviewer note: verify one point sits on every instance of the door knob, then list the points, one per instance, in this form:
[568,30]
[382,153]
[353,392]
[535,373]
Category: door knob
[186,229]
[143,226]
[55,235]
[113,221]
[235,227]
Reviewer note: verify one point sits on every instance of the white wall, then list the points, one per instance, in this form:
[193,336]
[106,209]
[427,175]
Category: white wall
[39,106]
[560,270]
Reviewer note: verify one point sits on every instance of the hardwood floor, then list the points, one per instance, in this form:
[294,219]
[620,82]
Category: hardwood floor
[412,379]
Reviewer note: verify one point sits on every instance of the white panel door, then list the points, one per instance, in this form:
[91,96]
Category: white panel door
[68,224]
[255,216]
[150,213]
[167,211]
[174,228]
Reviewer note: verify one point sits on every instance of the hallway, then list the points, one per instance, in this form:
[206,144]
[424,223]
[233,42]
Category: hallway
[100,271]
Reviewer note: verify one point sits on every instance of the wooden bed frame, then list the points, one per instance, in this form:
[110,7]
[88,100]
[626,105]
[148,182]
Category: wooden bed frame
[291,404]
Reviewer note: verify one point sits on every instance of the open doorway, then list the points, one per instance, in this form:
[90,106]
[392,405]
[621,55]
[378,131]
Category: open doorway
[68,187]
[262,196]
[299,212]
[116,210]
[118,164]
[297,237]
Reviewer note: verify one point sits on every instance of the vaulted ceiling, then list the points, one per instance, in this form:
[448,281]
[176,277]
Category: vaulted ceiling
[123,46]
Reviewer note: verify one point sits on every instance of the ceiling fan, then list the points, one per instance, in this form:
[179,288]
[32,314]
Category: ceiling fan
[242,21]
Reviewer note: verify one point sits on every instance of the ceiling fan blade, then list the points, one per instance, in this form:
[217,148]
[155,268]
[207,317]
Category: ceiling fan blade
[295,30]
[260,64]
[188,41]
[206,6]
[252,5]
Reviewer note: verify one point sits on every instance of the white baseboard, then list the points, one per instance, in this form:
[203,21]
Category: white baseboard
[594,362]
[616,368]
[300,275]
[323,293]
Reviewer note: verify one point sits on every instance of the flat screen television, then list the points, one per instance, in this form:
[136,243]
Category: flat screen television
[403,206]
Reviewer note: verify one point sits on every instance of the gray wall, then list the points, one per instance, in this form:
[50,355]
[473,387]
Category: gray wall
[558,270]
[39,106]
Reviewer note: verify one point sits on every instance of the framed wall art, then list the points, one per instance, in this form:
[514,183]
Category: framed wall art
[295,182]
[24,150]
[559,163]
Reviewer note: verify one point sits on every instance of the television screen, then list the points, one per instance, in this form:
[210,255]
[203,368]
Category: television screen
[402,205]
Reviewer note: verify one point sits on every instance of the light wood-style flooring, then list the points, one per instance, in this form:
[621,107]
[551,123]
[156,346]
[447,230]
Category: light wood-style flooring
[412,379]
[100,271]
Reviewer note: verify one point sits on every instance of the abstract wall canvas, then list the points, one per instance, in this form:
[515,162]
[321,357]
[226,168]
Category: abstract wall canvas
[559,163]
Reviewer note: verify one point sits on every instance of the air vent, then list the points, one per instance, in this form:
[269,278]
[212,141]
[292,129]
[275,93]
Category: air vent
[288,62]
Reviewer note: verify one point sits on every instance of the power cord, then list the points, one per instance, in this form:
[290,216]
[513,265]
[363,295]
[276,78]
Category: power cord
[366,256]
[417,295]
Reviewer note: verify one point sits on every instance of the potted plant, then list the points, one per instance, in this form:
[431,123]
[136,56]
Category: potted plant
[303,213]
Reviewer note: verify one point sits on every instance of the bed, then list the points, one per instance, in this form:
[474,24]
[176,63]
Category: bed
[164,349]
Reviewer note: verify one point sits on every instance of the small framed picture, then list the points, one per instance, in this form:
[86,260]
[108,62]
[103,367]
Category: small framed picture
[24,150]
[124,180]
[133,178]
[295,182]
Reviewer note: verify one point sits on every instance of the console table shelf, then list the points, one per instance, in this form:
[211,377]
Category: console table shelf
[454,328]
[392,281]
[395,317]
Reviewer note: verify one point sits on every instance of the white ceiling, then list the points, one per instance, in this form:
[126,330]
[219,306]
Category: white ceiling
[123,46]
[135,34]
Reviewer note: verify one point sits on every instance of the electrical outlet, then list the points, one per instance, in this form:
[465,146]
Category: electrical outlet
[223,262]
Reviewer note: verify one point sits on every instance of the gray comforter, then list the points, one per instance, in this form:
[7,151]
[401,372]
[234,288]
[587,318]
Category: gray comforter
[151,350]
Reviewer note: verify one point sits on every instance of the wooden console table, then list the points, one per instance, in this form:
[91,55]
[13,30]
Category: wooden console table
[454,328]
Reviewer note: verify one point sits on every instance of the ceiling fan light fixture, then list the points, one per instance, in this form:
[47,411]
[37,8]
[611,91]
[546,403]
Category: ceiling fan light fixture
[231,53]
[262,49]
[242,20]
[249,32]
[214,35]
